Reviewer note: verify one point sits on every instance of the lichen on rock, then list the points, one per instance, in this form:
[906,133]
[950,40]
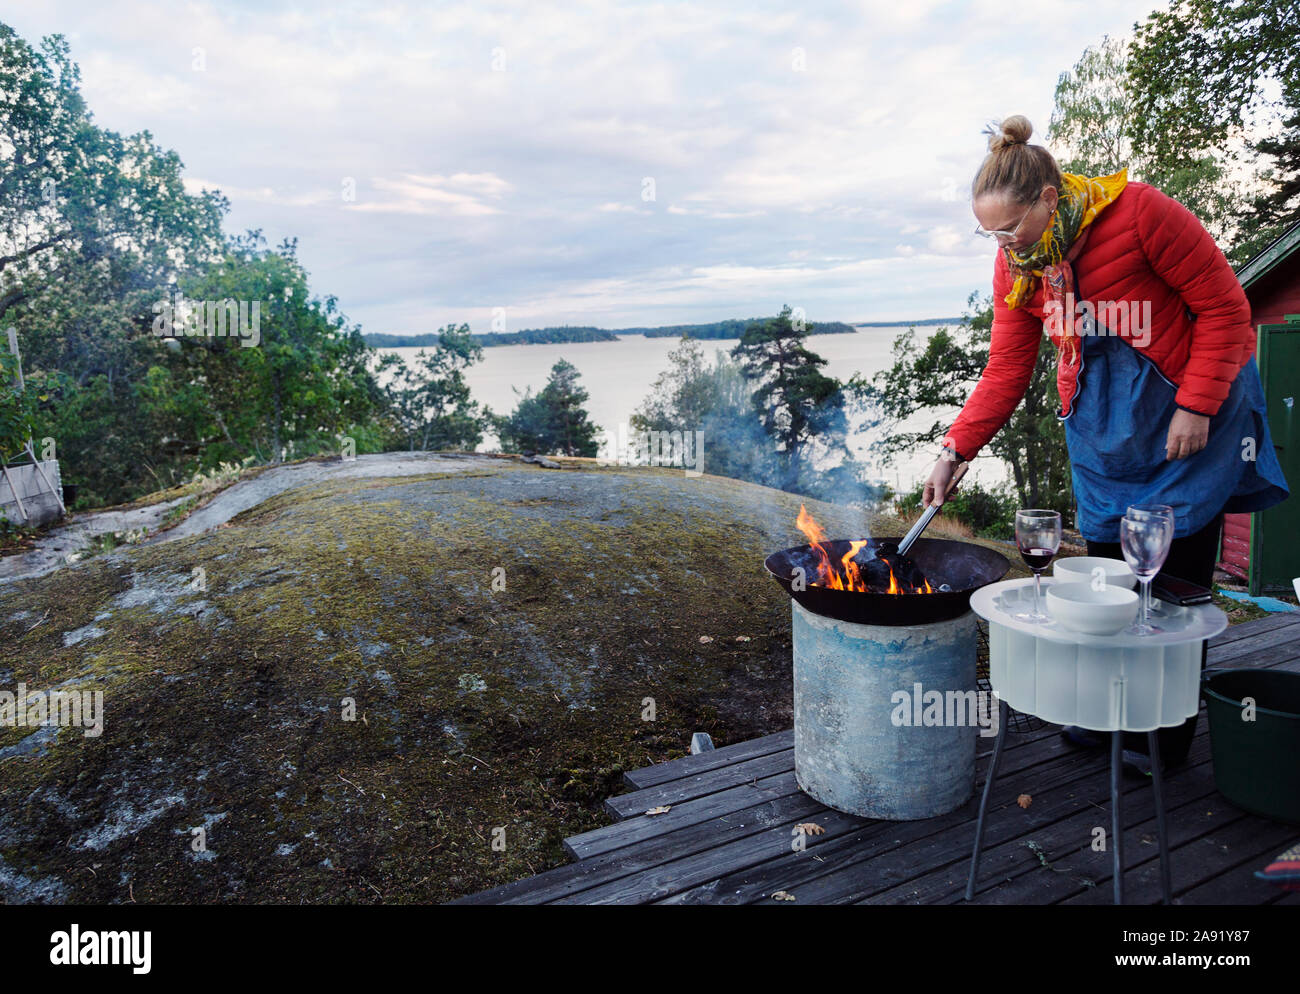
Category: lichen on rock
[374,674]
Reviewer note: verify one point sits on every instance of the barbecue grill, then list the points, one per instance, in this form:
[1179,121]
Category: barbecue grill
[962,566]
[869,624]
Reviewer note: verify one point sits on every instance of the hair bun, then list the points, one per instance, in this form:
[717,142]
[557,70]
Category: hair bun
[1014,130]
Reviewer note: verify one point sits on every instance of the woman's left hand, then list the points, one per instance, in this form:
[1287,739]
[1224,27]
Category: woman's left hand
[1188,434]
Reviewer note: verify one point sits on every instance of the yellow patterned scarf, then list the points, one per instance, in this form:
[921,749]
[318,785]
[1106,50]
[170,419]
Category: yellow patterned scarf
[1081,200]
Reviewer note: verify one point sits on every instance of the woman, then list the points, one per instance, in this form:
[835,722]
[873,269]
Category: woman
[1160,393]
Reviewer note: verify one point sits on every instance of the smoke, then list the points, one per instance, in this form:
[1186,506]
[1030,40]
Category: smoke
[823,468]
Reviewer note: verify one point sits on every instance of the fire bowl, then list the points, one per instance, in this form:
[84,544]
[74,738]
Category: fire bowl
[965,567]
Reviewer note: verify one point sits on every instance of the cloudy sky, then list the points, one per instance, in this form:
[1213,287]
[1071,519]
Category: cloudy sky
[606,163]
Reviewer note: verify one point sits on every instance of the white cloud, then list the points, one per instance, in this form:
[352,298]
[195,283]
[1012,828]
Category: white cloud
[463,195]
[832,185]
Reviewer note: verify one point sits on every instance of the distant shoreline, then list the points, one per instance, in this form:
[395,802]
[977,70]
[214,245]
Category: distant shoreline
[923,323]
[732,329]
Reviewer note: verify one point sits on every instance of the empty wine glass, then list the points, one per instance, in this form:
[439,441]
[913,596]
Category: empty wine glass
[1158,510]
[1038,537]
[1150,510]
[1145,533]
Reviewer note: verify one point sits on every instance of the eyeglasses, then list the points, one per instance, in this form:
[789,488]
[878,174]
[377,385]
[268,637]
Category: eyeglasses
[981,230]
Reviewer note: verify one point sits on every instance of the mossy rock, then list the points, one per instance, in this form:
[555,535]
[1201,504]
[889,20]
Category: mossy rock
[225,660]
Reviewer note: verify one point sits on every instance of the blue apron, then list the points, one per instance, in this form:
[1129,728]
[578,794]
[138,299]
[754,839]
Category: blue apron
[1116,433]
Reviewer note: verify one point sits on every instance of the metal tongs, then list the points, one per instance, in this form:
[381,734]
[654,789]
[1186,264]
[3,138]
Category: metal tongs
[930,512]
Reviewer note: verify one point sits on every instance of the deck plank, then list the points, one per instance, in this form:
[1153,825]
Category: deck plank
[1015,875]
[676,769]
[924,870]
[636,830]
[875,834]
[1265,649]
[1249,629]
[1022,752]
[624,806]
[698,837]
[1219,852]
[677,791]
[727,838]
[1238,885]
[668,878]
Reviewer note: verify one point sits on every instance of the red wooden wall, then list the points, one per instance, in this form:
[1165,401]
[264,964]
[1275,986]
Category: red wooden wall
[1276,295]
[1236,545]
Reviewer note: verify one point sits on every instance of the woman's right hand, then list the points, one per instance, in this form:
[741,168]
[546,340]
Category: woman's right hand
[940,479]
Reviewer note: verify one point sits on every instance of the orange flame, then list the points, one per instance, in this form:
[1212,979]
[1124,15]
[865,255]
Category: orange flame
[849,575]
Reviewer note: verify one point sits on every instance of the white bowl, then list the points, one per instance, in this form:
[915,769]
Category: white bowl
[1080,569]
[1081,608]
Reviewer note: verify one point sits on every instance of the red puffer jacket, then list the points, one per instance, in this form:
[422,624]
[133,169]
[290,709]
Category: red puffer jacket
[1144,247]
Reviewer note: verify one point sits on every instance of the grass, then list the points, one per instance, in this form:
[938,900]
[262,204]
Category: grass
[473,708]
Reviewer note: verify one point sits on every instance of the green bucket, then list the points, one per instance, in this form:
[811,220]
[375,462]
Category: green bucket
[1256,763]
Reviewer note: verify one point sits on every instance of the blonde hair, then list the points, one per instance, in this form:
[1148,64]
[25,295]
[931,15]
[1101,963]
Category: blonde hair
[1014,168]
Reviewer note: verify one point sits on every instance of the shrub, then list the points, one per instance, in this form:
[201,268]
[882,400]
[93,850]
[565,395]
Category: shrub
[989,512]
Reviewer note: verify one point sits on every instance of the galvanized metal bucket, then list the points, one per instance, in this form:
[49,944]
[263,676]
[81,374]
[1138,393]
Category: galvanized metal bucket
[868,738]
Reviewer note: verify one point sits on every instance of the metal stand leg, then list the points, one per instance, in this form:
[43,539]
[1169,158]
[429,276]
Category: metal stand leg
[1116,827]
[984,801]
[1153,747]
[52,488]
[13,489]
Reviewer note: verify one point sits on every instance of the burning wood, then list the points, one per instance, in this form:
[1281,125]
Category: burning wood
[864,568]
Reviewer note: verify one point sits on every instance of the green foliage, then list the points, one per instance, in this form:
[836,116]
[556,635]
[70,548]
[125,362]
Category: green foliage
[736,444]
[683,395]
[14,534]
[1099,126]
[1277,206]
[529,336]
[1171,107]
[100,234]
[431,402]
[1199,73]
[797,405]
[552,421]
[17,408]
[1093,113]
[936,377]
[166,409]
[691,395]
[732,328]
[80,206]
[990,512]
[722,401]
[106,434]
[297,389]
[95,225]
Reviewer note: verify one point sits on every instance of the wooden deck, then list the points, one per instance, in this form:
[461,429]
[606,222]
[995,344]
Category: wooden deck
[727,836]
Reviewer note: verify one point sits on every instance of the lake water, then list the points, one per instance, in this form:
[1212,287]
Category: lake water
[619,375]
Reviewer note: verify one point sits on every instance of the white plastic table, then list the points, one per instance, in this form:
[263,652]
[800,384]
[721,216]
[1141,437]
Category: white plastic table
[1116,683]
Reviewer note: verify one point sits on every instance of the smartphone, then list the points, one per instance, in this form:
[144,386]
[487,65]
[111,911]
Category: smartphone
[1176,590]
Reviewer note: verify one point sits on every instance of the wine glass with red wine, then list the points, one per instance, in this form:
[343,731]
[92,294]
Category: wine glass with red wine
[1038,537]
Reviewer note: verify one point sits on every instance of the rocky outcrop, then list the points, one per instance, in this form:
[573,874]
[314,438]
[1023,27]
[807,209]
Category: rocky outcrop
[354,685]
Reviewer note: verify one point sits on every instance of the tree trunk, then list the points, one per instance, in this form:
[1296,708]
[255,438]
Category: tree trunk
[275,423]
